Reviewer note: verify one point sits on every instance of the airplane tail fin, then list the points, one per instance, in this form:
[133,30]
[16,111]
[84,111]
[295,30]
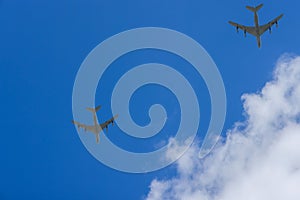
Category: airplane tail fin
[94,109]
[255,9]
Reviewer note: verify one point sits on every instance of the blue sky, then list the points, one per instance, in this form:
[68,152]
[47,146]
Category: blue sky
[42,46]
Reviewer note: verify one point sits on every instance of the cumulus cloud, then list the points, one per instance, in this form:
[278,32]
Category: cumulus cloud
[258,159]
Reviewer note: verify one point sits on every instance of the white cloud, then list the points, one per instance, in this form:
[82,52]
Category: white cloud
[260,158]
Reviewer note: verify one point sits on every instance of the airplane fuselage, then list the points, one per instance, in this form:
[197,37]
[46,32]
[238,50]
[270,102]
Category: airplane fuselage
[257,29]
[97,129]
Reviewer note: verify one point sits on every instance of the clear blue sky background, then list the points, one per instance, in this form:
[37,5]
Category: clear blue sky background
[42,45]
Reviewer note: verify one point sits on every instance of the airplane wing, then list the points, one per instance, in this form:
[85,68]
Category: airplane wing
[248,29]
[83,126]
[110,121]
[267,26]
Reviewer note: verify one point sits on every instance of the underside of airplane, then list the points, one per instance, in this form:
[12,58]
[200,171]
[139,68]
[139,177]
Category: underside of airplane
[96,128]
[256,30]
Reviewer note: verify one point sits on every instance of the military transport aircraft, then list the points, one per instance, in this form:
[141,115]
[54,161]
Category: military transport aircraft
[96,128]
[256,30]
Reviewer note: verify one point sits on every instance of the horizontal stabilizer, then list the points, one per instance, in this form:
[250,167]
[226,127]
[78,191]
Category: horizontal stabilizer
[94,109]
[254,9]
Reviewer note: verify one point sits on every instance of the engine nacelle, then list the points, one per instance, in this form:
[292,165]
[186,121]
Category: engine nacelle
[276,24]
[270,30]
[237,29]
[245,33]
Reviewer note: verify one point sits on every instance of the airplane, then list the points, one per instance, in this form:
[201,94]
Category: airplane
[96,128]
[256,30]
